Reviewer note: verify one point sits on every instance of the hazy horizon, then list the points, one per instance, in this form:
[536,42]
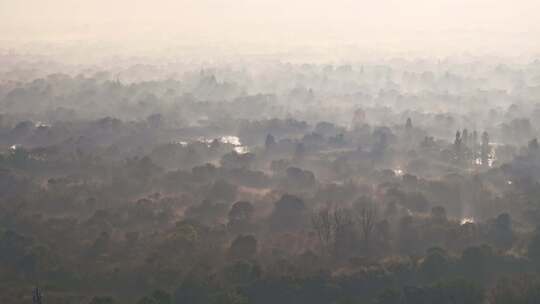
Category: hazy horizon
[439,27]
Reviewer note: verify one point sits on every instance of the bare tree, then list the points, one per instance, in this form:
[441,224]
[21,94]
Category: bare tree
[367,217]
[36,296]
[343,232]
[323,226]
[332,227]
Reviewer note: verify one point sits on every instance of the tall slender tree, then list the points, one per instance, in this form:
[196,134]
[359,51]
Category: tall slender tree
[485,149]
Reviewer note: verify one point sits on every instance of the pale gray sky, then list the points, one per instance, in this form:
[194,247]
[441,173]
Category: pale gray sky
[401,25]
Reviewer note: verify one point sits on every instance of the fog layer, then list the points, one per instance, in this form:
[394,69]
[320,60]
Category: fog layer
[440,26]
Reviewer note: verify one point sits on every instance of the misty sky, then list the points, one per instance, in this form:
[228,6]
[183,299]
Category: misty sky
[497,25]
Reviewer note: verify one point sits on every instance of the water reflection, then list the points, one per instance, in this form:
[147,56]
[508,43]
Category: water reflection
[467,220]
[238,147]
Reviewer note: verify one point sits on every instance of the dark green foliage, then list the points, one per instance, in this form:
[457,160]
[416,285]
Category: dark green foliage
[241,273]
[157,297]
[501,231]
[445,292]
[435,265]
[522,289]
[193,291]
[230,297]
[533,251]
[388,296]
[476,263]
[102,300]
[243,247]
[288,214]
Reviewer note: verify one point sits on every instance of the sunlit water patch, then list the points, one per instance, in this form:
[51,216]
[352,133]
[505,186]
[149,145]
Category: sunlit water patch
[238,147]
[398,171]
[233,140]
[467,220]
